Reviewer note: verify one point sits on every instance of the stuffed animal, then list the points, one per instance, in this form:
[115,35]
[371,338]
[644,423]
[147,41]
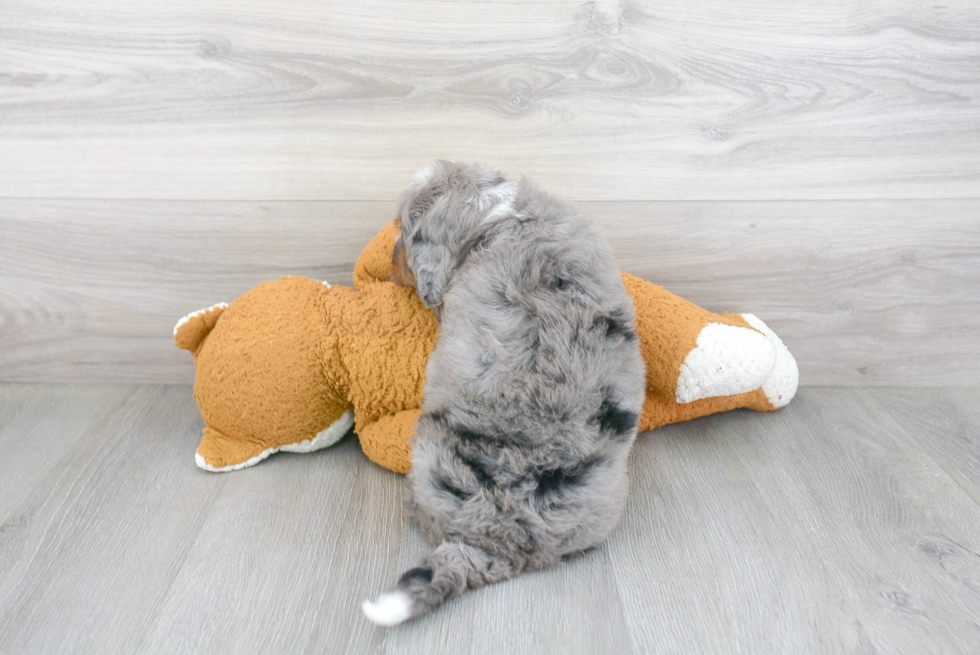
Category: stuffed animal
[294,363]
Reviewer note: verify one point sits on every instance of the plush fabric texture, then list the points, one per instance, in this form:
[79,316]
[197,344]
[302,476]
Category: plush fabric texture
[668,327]
[284,362]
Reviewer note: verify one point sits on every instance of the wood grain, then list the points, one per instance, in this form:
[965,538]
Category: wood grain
[91,290]
[945,422]
[108,525]
[601,100]
[814,529]
[862,292]
[323,525]
[829,526]
[578,611]
[40,429]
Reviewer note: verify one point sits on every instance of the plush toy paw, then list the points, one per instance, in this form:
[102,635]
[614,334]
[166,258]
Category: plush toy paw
[727,360]
[219,454]
[780,386]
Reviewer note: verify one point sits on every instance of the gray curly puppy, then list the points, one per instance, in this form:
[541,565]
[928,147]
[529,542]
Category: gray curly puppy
[532,393]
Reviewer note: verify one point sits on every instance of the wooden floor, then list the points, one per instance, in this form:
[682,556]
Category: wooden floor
[847,522]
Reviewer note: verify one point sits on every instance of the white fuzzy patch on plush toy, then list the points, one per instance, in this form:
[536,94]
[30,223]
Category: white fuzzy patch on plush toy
[200,312]
[325,438]
[390,609]
[727,360]
[781,386]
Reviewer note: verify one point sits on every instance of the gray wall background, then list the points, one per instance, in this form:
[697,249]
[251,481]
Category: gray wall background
[816,165]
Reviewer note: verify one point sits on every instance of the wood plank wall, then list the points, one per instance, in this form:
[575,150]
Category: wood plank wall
[817,164]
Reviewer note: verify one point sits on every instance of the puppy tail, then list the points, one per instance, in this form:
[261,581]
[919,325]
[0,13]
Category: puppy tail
[450,570]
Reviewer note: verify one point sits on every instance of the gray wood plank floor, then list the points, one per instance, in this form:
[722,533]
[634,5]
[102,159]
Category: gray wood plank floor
[847,522]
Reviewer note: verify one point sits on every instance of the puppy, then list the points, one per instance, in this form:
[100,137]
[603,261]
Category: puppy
[532,393]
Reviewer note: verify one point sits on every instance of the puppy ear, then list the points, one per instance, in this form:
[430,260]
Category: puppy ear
[432,264]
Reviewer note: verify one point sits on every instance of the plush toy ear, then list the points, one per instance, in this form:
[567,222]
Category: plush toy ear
[432,263]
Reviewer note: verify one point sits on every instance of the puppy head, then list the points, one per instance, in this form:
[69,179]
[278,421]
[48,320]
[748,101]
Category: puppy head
[443,211]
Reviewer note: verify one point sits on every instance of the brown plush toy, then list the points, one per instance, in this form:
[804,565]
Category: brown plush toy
[293,363]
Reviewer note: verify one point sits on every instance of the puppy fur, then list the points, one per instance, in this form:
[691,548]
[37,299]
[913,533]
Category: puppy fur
[532,393]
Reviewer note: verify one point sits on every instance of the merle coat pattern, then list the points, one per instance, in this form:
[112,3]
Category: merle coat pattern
[532,393]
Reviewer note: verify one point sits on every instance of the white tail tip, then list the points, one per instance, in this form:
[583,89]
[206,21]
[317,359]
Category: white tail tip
[390,609]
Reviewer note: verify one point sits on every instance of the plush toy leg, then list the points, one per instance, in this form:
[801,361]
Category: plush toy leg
[219,453]
[388,441]
[775,392]
[727,360]
[691,353]
[374,262]
[661,410]
[699,362]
